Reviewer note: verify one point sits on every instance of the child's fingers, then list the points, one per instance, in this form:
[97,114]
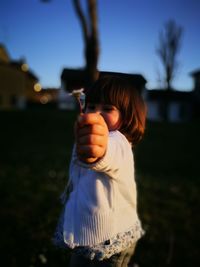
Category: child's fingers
[90,118]
[92,139]
[91,136]
[88,160]
[92,129]
[90,151]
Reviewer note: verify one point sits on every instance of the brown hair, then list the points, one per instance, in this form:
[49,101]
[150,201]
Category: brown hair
[118,91]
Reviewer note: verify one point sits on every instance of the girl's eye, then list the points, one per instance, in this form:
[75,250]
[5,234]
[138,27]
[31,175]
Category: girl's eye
[108,109]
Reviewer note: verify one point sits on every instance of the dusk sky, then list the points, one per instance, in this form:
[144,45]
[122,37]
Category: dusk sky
[49,37]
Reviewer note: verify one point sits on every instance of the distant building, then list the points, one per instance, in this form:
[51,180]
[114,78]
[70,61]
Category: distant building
[196,79]
[174,106]
[72,79]
[18,85]
[196,91]
[47,97]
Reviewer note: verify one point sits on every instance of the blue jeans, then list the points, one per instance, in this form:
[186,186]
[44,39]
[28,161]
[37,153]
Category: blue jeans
[117,260]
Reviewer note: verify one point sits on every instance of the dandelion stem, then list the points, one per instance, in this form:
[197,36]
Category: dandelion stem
[80,105]
[77,94]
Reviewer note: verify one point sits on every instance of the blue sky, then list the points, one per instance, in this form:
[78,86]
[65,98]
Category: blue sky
[49,37]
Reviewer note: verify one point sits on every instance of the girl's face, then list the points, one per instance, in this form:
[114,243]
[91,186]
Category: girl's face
[110,113]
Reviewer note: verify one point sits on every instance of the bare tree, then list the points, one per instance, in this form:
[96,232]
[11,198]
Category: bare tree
[89,28]
[168,48]
[90,36]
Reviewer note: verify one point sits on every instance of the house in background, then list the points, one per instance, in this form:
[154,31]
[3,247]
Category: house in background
[172,105]
[47,97]
[73,79]
[19,89]
[18,85]
[196,92]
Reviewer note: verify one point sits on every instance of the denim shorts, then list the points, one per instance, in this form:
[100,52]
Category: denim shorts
[117,260]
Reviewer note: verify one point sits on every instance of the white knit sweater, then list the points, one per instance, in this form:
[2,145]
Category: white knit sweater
[103,201]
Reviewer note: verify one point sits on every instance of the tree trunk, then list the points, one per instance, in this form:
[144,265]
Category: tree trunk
[91,42]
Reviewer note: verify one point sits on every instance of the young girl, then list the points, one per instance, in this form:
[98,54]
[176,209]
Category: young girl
[101,223]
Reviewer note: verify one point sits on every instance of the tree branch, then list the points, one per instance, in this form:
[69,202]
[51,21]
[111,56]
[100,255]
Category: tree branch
[82,19]
[93,17]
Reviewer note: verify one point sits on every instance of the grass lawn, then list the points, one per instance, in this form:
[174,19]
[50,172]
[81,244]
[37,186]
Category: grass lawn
[35,148]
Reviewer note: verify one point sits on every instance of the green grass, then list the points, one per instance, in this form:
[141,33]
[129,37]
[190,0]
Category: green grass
[35,148]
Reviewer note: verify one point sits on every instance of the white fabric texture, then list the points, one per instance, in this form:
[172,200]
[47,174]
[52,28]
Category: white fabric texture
[103,202]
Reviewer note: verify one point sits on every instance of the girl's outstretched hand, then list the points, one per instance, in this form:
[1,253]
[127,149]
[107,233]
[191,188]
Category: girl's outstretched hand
[91,137]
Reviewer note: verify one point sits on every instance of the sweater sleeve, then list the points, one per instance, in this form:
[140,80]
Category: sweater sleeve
[117,153]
